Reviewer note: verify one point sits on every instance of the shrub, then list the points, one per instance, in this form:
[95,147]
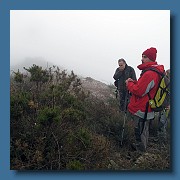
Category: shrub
[49,115]
[75,165]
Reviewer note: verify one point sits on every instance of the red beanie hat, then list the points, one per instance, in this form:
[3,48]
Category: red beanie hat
[151,53]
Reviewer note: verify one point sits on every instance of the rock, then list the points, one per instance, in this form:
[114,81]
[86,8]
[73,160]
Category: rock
[113,165]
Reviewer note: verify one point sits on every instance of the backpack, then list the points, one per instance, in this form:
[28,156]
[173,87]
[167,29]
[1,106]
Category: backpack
[161,100]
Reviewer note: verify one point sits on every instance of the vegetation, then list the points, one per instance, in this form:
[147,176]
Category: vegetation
[57,125]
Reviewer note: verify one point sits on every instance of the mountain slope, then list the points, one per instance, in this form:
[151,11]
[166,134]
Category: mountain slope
[98,89]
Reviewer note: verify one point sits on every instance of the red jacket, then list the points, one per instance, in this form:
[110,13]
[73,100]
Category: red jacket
[148,82]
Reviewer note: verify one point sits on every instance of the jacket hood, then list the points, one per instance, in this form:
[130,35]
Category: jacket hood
[147,65]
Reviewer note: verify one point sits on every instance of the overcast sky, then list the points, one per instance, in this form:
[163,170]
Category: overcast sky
[89,42]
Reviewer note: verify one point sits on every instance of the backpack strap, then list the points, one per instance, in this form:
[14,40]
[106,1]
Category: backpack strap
[147,104]
[161,74]
[155,70]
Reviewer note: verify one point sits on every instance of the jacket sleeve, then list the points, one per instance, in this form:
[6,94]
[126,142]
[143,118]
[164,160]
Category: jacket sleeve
[133,74]
[142,86]
[117,74]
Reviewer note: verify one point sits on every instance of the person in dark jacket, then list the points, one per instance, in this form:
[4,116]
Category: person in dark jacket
[122,73]
[146,86]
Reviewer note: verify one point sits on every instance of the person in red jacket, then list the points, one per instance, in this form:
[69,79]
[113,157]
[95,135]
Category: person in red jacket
[146,86]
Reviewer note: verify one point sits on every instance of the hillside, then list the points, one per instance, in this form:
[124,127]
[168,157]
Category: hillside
[98,89]
[56,125]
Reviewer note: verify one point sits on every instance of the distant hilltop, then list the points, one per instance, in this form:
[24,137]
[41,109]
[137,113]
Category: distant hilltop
[96,88]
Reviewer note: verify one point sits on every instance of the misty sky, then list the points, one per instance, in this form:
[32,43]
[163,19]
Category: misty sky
[89,42]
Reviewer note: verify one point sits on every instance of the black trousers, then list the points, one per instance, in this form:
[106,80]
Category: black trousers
[122,100]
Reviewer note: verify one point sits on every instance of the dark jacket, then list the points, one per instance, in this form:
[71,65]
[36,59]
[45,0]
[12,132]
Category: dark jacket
[121,76]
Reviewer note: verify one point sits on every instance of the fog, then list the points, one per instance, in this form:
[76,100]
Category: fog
[89,42]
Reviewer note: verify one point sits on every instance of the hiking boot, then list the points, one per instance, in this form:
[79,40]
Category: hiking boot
[134,146]
[141,147]
[162,136]
[138,147]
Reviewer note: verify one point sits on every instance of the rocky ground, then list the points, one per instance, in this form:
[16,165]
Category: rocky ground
[156,158]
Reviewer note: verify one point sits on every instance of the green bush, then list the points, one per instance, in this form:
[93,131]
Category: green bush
[75,165]
[73,115]
[49,115]
[19,104]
